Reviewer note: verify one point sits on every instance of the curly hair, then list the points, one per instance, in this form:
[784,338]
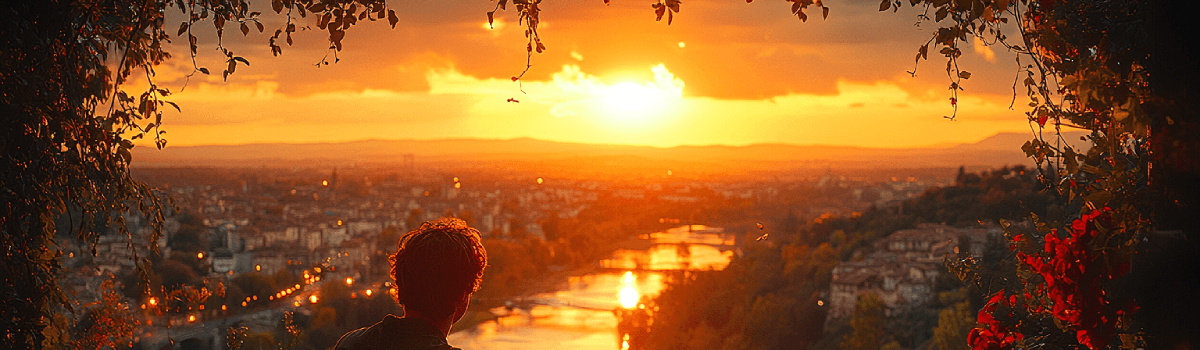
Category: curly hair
[436,264]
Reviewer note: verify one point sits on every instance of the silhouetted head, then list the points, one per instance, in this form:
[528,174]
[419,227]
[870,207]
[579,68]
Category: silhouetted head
[437,266]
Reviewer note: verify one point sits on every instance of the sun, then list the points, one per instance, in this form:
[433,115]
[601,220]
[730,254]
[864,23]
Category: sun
[631,104]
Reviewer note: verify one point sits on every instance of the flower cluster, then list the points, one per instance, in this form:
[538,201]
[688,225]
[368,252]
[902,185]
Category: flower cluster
[1074,274]
[993,334]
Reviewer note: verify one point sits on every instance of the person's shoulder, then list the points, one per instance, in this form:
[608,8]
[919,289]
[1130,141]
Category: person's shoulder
[354,340]
[394,333]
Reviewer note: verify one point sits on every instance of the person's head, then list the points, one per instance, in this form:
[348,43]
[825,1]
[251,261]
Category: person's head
[436,268]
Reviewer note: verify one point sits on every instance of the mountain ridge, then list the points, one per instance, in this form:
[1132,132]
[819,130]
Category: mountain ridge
[995,150]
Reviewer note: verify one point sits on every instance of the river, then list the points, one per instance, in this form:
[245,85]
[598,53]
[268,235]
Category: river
[581,316]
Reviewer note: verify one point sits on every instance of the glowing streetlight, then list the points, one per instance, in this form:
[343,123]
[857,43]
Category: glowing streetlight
[313,299]
[539,181]
[368,292]
[349,281]
[200,255]
[324,183]
[153,301]
[257,267]
[191,318]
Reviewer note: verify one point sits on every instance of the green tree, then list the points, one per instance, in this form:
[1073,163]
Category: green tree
[953,325]
[867,322]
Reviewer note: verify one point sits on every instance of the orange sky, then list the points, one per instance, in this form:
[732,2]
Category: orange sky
[725,72]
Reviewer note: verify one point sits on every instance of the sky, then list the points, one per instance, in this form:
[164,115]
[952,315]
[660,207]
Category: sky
[724,72]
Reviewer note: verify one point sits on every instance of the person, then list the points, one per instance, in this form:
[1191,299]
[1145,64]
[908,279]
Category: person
[436,268]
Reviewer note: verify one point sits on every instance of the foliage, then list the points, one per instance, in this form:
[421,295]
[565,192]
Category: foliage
[107,323]
[954,323]
[867,322]
[69,121]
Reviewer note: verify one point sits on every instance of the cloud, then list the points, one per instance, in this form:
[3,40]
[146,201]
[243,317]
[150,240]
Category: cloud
[984,51]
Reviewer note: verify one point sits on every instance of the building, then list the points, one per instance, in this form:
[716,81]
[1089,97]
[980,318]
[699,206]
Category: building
[903,268]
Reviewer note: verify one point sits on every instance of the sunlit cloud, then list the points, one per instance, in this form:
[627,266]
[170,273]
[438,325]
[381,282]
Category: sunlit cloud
[984,51]
[574,105]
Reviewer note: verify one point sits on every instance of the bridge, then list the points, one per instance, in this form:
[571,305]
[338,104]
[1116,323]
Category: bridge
[202,336]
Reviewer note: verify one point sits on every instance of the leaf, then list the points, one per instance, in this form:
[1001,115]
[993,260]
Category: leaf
[183,27]
[964,74]
[336,37]
[1069,159]
[245,29]
[260,26]
[824,12]
[392,19]
[1029,148]
[941,14]
[203,70]
[795,6]
[243,60]
[883,6]
[673,5]
[277,5]
[490,15]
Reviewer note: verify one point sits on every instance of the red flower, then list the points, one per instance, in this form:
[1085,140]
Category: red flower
[991,333]
[1074,280]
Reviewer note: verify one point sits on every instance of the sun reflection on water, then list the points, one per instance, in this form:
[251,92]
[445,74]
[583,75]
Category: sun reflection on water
[629,294]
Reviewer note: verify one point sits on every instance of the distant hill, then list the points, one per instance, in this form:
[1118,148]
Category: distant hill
[997,150]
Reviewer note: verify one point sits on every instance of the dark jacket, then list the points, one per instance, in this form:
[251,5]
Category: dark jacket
[394,333]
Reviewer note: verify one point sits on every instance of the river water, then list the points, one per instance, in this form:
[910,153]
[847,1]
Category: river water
[581,316]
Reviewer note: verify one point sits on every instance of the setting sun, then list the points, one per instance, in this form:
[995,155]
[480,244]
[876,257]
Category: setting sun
[631,104]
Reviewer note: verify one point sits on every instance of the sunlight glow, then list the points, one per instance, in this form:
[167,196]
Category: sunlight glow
[635,104]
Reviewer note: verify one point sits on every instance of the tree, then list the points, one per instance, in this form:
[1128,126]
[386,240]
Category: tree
[954,323]
[69,121]
[867,322]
